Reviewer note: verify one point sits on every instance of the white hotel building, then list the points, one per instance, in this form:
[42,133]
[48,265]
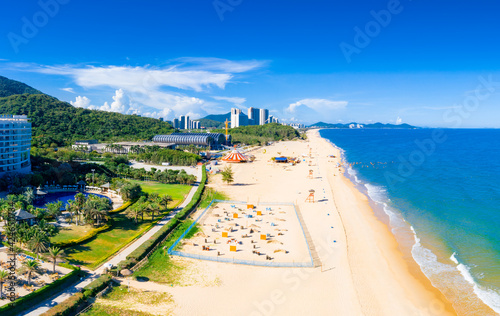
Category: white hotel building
[15,144]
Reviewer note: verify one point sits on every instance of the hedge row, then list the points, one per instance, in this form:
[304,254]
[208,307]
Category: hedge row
[123,207]
[91,234]
[41,294]
[147,246]
[71,305]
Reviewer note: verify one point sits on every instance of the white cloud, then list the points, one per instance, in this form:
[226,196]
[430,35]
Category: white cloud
[81,102]
[234,100]
[399,120]
[68,90]
[152,91]
[219,64]
[317,105]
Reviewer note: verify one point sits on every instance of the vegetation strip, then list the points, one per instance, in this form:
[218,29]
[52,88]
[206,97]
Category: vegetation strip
[41,294]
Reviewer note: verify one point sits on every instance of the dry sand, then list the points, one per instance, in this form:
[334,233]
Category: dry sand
[361,270]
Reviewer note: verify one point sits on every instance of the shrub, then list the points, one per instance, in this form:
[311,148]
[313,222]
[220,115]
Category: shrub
[68,307]
[122,208]
[96,286]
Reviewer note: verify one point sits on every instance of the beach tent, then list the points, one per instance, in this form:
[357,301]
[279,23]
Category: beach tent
[235,156]
[281,159]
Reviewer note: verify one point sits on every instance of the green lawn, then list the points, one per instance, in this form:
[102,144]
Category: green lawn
[176,191]
[72,232]
[124,230]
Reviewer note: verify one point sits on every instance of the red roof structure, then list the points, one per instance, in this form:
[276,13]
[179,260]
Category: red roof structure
[235,156]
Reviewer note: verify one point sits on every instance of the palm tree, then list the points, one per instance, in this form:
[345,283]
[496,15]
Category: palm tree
[31,266]
[54,208]
[54,254]
[38,242]
[79,204]
[29,195]
[4,275]
[136,210]
[72,210]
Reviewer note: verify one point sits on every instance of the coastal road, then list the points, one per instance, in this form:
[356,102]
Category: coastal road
[75,288]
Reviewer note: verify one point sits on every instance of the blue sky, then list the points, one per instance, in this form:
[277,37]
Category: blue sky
[421,62]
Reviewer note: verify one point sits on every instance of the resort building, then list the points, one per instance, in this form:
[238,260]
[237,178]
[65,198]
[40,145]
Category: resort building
[15,144]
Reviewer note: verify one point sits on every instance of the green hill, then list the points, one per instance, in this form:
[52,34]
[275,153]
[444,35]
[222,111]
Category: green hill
[218,117]
[10,87]
[207,123]
[372,125]
[57,123]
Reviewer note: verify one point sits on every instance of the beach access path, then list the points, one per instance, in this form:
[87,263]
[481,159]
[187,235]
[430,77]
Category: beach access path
[121,255]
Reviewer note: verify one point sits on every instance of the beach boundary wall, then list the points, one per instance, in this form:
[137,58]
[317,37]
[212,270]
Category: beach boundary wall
[305,264]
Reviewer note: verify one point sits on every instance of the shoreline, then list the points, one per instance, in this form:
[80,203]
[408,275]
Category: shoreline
[458,289]
[392,249]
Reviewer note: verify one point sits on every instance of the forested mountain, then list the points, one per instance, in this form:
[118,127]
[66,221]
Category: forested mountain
[372,125]
[57,123]
[218,117]
[10,87]
[210,123]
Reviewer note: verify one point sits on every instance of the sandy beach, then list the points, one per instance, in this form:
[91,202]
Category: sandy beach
[359,269]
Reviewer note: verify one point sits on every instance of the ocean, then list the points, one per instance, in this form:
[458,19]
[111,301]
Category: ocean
[440,192]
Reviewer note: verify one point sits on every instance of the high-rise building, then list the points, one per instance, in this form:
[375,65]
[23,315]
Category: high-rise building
[15,144]
[175,123]
[182,122]
[253,116]
[187,124]
[238,118]
[235,117]
[264,116]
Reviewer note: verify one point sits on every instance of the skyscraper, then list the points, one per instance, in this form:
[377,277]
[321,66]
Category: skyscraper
[187,124]
[175,123]
[182,122]
[264,116]
[253,116]
[235,117]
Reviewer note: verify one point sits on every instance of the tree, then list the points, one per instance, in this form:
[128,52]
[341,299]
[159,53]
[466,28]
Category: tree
[31,266]
[54,208]
[29,195]
[54,254]
[38,242]
[4,276]
[227,175]
[136,210]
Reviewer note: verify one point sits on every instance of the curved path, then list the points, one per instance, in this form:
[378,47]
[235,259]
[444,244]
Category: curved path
[75,288]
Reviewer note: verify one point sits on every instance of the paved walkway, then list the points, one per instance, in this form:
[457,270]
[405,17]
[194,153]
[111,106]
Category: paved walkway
[60,297]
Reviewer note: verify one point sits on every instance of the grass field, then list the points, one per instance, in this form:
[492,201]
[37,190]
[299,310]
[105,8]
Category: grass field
[176,191]
[124,230]
[123,301]
[71,232]
[160,268]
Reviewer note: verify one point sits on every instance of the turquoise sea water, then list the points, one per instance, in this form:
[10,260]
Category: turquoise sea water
[445,186]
